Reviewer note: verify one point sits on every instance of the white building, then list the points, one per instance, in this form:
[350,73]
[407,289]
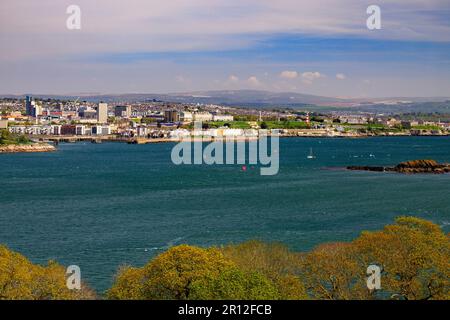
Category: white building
[141,131]
[203,116]
[80,130]
[56,130]
[100,130]
[186,116]
[353,120]
[222,117]
[179,133]
[102,113]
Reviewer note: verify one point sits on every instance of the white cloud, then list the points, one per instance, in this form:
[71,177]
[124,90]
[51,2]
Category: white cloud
[37,42]
[309,76]
[181,25]
[289,74]
[341,76]
[233,79]
[253,81]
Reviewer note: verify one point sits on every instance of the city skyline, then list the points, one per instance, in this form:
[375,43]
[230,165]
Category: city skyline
[306,47]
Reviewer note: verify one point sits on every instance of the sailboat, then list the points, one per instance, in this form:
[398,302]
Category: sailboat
[311,154]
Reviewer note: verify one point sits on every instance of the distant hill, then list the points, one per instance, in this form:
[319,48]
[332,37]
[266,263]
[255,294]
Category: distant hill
[253,98]
[244,98]
[259,99]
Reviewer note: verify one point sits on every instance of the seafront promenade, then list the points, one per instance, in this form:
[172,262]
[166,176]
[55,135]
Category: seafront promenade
[282,134]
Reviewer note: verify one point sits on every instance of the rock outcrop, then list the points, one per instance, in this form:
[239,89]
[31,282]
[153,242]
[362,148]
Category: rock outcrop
[34,147]
[409,167]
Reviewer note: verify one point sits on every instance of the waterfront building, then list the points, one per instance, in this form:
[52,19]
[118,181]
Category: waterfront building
[100,130]
[56,130]
[80,130]
[68,130]
[179,133]
[102,113]
[141,131]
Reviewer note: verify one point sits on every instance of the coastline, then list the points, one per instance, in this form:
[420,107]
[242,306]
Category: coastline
[48,140]
[27,148]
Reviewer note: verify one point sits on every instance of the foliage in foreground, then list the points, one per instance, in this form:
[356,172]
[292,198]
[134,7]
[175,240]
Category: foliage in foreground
[186,272]
[20,279]
[414,256]
[7,137]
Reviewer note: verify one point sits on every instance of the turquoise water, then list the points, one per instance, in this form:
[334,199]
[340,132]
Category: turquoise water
[104,205]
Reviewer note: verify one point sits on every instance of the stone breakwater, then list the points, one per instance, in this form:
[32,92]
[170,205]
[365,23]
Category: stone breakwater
[409,167]
[35,147]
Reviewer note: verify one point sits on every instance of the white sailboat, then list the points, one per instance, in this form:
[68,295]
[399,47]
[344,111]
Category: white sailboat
[311,154]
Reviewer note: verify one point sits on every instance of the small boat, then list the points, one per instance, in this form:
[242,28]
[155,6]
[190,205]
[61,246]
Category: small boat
[311,154]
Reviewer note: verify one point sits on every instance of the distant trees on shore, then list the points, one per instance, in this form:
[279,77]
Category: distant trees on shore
[9,138]
[413,254]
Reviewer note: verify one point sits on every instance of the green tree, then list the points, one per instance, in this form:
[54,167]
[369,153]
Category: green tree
[234,284]
[414,255]
[187,272]
[273,260]
[22,280]
[332,271]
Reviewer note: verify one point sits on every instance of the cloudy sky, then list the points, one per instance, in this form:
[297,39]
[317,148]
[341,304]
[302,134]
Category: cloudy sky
[319,47]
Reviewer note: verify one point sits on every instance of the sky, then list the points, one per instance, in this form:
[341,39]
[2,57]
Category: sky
[320,47]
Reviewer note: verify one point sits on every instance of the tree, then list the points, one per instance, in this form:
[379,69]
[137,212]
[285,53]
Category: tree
[412,253]
[128,284]
[414,256]
[234,284]
[22,280]
[187,272]
[274,261]
[171,274]
[7,137]
[332,272]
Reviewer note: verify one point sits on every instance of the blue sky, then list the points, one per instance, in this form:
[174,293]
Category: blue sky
[318,47]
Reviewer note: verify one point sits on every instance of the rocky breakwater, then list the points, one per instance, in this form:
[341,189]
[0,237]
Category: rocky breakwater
[33,147]
[409,167]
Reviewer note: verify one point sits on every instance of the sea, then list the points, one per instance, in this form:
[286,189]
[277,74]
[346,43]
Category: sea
[103,206]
